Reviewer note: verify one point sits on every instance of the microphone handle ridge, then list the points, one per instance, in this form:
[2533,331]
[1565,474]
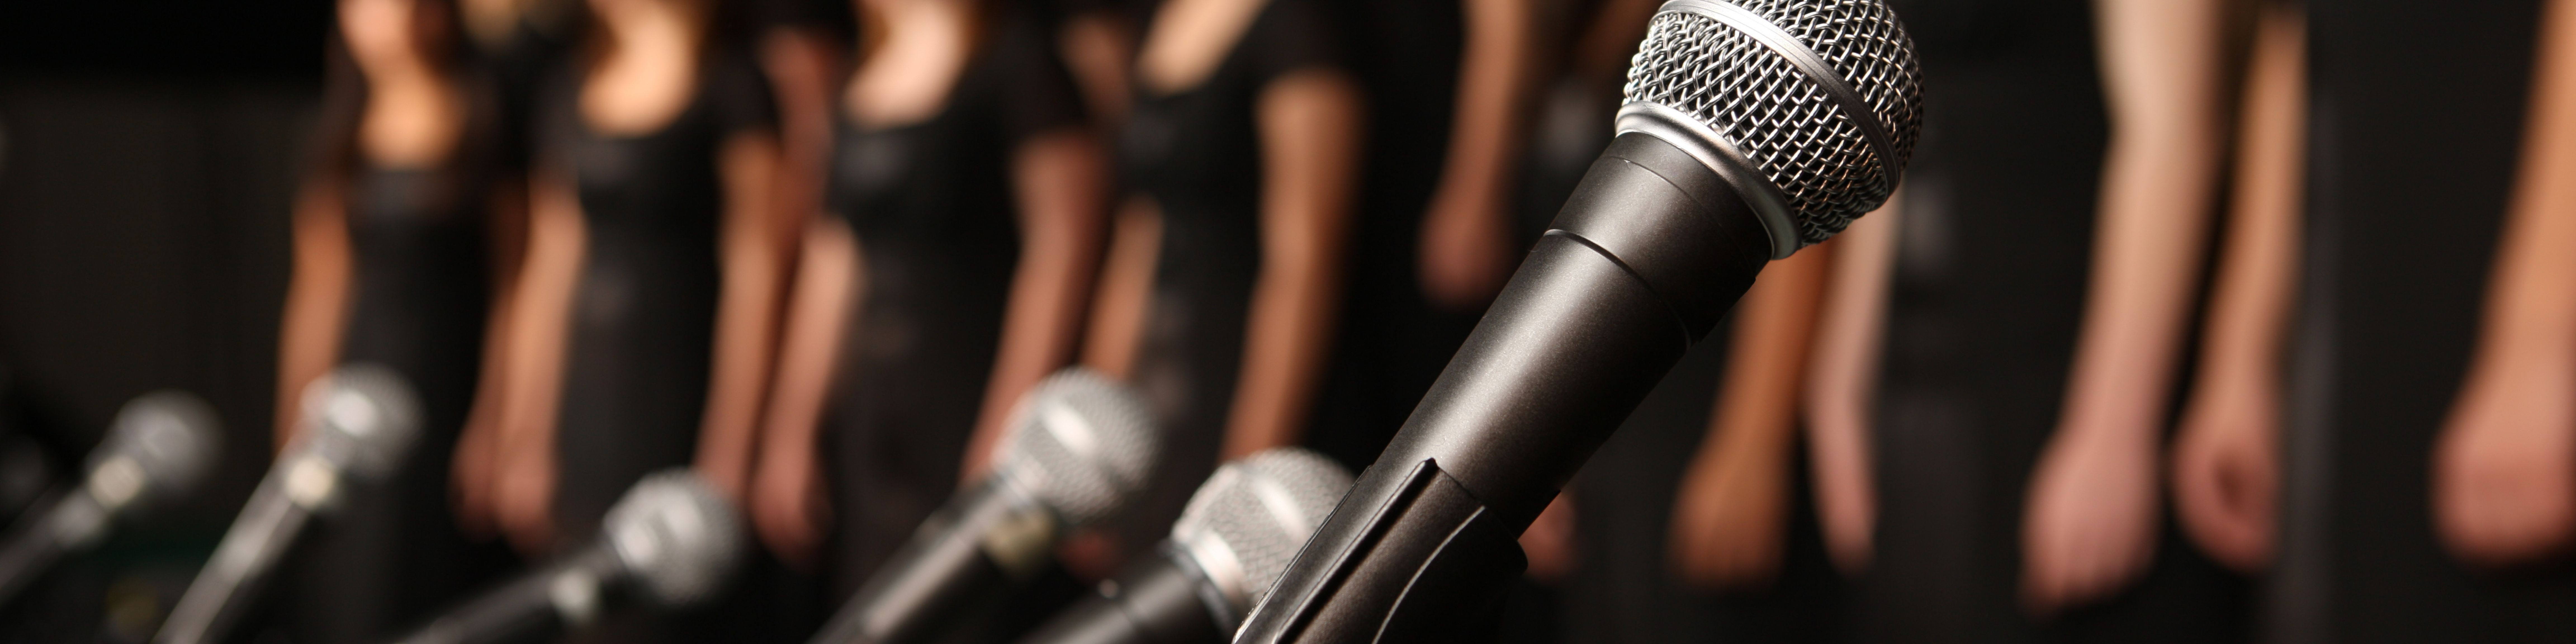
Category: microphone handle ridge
[1645,258]
[971,553]
[250,551]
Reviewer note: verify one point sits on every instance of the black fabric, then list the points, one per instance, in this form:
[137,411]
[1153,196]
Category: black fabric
[2416,129]
[641,335]
[935,210]
[1985,306]
[1197,154]
[419,290]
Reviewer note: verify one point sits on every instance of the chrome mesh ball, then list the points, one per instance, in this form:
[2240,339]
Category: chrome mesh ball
[1253,515]
[1827,162]
[1080,443]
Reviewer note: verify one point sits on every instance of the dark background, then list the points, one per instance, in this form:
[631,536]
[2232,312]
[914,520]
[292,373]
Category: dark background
[148,155]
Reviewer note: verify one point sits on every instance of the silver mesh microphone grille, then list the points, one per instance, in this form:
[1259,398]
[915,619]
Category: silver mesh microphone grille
[679,539]
[1079,443]
[1250,518]
[1743,69]
[159,446]
[364,419]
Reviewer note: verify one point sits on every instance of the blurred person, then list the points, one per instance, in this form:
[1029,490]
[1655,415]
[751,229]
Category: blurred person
[1242,151]
[402,243]
[2064,136]
[2422,464]
[967,202]
[643,322]
[2226,455]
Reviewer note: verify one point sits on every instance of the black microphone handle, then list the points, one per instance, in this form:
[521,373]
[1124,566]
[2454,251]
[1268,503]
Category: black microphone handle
[269,524]
[540,607]
[984,544]
[54,526]
[1649,253]
[1163,599]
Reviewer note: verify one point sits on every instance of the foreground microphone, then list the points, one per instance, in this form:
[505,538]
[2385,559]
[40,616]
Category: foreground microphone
[671,542]
[1751,128]
[1079,446]
[1238,533]
[358,423]
[159,446]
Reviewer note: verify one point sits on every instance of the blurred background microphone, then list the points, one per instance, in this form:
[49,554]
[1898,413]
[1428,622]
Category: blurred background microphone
[1078,449]
[357,424]
[159,447]
[1237,535]
[1751,129]
[671,542]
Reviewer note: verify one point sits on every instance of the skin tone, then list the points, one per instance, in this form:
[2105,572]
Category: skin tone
[644,75]
[2090,523]
[1466,242]
[2504,489]
[2225,463]
[1729,517]
[1058,177]
[1309,127]
[1842,381]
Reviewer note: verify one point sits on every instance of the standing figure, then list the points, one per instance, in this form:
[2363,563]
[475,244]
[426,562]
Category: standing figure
[1219,297]
[400,243]
[642,331]
[966,205]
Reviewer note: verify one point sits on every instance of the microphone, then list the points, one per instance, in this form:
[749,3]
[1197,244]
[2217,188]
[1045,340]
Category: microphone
[358,423]
[1078,447]
[671,542]
[159,446]
[1751,128]
[1237,535]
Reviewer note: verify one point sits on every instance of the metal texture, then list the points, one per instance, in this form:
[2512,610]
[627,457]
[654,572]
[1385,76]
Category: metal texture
[1079,443]
[1247,522]
[678,540]
[1823,96]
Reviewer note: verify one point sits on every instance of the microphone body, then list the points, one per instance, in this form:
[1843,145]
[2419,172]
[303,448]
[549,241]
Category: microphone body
[974,552]
[359,422]
[158,447]
[670,542]
[1752,128]
[1079,445]
[1240,530]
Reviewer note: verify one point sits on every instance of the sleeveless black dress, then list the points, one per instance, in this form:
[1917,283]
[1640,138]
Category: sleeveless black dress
[2390,308]
[1197,154]
[419,291]
[1984,310]
[642,331]
[936,216]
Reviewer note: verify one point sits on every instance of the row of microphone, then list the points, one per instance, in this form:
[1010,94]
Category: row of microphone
[1079,447]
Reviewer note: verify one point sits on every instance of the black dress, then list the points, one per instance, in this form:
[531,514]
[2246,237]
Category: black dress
[642,331]
[2399,250]
[1985,306]
[1197,154]
[419,291]
[937,222]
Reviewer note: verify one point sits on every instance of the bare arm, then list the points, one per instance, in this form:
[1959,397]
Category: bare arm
[786,501]
[754,263]
[2224,461]
[2089,526]
[1731,514]
[1061,179]
[1843,383]
[1466,237]
[1126,288]
[523,489]
[1310,129]
[470,477]
[2503,488]
[317,299]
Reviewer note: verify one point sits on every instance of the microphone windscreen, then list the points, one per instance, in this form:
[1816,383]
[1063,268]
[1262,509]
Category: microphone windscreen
[678,539]
[1080,443]
[1247,522]
[159,446]
[1821,97]
[364,419]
